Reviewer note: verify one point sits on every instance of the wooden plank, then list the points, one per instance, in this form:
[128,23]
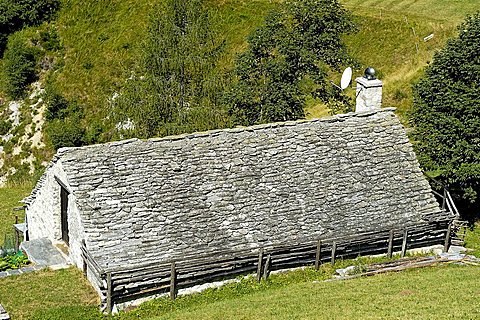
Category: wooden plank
[390,243]
[266,271]
[109,292]
[259,265]
[173,281]
[404,243]
[84,260]
[334,252]
[318,254]
[448,238]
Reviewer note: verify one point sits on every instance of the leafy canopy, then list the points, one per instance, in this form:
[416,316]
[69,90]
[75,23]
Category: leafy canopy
[446,113]
[288,59]
[16,14]
[177,87]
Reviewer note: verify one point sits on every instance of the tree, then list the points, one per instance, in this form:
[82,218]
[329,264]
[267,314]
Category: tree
[288,59]
[178,83]
[16,14]
[446,115]
[19,64]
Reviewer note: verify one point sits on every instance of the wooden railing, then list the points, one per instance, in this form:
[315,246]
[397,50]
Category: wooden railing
[136,281]
[444,196]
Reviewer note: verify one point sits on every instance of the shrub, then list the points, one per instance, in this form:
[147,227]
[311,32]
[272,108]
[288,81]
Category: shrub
[5,126]
[65,132]
[16,14]
[14,261]
[19,64]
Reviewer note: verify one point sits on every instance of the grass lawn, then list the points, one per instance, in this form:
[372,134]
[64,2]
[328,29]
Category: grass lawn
[417,294]
[9,199]
[28,296]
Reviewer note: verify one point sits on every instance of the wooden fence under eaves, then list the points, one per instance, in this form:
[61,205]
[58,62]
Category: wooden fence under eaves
[133,282]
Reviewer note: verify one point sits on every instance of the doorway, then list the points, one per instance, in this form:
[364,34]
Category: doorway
[64,214]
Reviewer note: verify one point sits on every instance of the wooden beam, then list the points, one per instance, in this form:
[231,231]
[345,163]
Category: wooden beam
[318,254]
[173,281]
[109,292]
[84,259]
[404,243]
[334,251]
[448,238]
[390,244]
[259,266]
[266,271]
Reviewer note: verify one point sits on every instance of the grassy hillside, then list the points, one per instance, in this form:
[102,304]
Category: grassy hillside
[103,42]
[390,39]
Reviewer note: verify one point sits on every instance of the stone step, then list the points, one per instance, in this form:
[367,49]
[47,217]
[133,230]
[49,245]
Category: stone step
[43,253]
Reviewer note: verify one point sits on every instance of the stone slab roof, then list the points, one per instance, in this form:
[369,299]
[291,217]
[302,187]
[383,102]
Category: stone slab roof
[246,187]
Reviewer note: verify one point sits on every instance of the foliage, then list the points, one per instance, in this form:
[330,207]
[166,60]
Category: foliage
[5,126]
[177,86]
[16,14]
[14,261]
[472,239]
[446,115]
[19,64]
[64,120]
[288,59]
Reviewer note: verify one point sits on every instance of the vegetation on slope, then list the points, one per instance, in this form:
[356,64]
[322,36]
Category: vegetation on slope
[446,116]
[100,44]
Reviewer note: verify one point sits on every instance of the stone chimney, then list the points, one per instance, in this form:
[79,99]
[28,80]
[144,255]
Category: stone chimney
[369,92]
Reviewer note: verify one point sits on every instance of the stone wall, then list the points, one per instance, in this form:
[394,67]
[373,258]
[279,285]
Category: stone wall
[246,187]
[43,212]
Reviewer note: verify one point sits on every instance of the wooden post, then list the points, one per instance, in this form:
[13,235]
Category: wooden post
[266,272]
[17,236]
[448,237]
[334,250]
[390,244]
[259,266]
[317,255]
[173,281]
[404,243]
[109,292]
[84,259]
[444,201]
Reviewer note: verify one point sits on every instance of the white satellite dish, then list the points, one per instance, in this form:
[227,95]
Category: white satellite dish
[346,78]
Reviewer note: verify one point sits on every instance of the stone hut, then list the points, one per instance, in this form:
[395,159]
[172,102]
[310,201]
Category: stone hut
[136,201]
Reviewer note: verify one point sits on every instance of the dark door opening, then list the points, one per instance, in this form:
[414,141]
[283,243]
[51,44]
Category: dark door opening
[64,213]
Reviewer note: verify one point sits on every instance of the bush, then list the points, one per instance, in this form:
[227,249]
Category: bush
[65,132]
[13,261]
[19,64]
[5,126]
[446,116]
[16,14]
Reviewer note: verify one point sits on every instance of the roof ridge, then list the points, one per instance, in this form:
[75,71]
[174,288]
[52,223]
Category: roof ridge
[239,129]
